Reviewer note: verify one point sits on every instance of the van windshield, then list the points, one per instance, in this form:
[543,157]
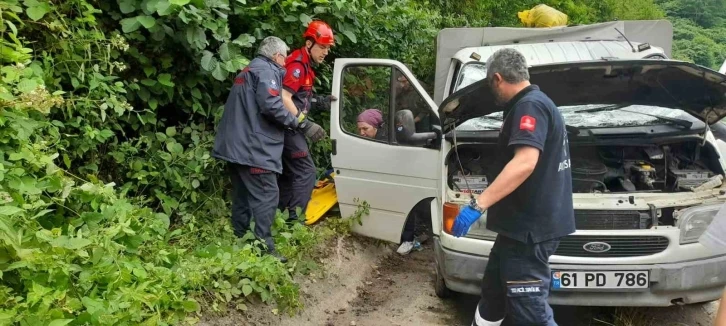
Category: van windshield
[576,116]
[471,73]
[626,116]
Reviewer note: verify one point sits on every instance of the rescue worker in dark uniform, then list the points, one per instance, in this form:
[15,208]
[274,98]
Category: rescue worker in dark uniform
[298,174]
[529,203]
[250,138]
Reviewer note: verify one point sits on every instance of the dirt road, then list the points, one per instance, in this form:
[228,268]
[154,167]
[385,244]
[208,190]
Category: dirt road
[370,285]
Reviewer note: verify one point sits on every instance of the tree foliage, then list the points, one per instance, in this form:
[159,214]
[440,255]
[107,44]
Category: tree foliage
[699,30]
[705,13]
[112,211]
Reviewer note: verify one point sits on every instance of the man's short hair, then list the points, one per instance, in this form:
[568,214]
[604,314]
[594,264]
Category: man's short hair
[510,64]
[271,45]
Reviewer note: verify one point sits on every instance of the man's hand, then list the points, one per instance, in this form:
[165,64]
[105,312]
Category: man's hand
[322,102]
[466,219]
[312,130]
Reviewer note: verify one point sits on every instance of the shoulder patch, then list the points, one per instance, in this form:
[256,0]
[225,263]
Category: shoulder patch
[527,122]
[296,73]
[273,84]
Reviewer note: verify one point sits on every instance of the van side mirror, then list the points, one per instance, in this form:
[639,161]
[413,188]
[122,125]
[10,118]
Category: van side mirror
[405,129]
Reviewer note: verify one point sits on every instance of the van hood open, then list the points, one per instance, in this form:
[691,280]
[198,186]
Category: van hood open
[666,83]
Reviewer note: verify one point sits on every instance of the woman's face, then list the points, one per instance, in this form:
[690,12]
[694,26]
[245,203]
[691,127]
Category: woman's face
[366,130]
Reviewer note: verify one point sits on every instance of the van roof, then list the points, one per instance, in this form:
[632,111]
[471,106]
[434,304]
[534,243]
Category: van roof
[450,41]
[560,52]
[557,52]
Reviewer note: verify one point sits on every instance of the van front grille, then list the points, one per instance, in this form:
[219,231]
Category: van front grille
[610,220]
[619,246]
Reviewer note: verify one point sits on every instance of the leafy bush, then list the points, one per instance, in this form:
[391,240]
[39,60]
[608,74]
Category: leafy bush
[78,251]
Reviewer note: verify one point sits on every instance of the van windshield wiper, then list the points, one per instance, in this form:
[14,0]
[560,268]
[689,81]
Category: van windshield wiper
[680,122]
[603,108]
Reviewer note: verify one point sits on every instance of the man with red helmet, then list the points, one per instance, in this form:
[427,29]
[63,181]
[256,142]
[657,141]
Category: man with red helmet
[298,176]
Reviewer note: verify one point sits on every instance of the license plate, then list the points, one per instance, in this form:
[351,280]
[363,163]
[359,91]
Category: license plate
[600,280]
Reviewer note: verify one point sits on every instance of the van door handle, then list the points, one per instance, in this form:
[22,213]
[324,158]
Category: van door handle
[334,147]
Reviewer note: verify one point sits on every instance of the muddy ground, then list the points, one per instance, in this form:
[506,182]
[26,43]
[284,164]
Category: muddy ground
[366,283]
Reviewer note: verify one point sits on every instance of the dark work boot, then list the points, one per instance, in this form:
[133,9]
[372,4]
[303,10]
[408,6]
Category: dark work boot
[277,255]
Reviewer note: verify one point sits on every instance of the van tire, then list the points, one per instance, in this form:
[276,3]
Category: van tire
[440,285]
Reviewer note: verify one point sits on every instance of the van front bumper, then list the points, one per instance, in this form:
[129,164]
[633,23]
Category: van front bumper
[677,283]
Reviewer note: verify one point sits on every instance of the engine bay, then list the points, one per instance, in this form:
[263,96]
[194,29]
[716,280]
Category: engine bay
[666,168]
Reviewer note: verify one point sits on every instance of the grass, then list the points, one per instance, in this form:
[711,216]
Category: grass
[627,317]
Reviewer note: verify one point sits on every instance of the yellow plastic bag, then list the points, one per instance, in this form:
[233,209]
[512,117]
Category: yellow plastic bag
[542,16]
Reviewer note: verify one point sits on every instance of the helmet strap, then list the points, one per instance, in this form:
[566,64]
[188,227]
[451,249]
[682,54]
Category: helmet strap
[309,49]
[312,43]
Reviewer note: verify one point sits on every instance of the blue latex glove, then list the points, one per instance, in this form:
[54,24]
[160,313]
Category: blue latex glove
[465,220]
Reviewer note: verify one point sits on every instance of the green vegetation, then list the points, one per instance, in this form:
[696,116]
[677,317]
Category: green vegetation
[699,30]
[112,211]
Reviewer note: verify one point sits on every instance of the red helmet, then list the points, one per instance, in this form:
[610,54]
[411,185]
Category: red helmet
[320,32]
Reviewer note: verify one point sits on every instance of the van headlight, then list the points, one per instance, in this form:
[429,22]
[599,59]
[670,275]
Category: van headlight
[694,221]
[479,229]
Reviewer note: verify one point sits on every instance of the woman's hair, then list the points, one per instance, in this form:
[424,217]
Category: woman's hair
[373,117]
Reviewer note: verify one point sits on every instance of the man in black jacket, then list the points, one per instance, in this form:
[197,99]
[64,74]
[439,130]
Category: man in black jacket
[250,138]
[529,203]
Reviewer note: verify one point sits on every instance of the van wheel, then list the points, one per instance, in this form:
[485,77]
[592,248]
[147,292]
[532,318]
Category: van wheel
[440,285]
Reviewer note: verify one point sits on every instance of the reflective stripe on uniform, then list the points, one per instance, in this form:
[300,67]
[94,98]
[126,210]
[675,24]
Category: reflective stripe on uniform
[479,321]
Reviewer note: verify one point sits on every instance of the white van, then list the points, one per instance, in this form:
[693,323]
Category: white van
[646,171]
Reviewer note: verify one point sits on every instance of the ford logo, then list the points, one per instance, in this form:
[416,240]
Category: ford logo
[596,247]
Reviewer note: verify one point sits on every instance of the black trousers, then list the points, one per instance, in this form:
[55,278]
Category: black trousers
[516,283]
[409,229]
[254,198]
[298,174]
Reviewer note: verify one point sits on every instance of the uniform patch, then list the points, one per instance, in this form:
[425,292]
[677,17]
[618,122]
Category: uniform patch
[258,171]
[299,154]
[273,92]
[241,77]
[528,123]
[273,84]
[296,73]
[524,289]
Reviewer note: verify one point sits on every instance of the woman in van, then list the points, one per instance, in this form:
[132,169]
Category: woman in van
[371,125]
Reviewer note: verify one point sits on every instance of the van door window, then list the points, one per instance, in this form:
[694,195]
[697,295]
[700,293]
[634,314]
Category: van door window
[408,98]
[365,106]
